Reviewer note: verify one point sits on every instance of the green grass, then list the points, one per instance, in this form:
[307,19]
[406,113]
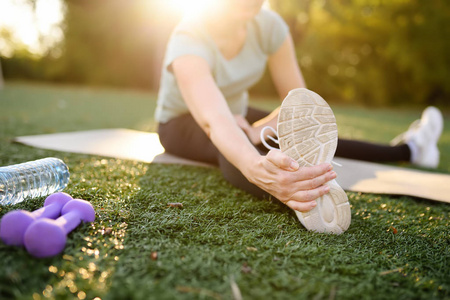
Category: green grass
[139,248]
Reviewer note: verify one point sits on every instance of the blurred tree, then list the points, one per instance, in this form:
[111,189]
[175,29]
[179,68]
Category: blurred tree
[375,52]
[115,42]
[356,51]
[1,76]
[111,42]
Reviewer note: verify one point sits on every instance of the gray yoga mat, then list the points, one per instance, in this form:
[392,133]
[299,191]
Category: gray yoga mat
[356,176]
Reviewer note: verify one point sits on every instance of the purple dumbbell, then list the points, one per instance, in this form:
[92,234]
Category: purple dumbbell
[47,237]
[15,223]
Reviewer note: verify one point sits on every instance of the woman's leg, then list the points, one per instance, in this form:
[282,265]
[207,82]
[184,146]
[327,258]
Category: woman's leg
[255,114]
[353,149]
[184,138]
[372,152]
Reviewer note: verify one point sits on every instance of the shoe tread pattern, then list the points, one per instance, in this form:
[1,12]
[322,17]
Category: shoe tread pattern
[307,129]
[307,132]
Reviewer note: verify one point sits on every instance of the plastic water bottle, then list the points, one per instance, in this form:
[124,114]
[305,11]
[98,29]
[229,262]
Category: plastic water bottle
[32,179]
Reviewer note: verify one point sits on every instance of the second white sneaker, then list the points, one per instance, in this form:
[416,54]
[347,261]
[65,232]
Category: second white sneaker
[422,138]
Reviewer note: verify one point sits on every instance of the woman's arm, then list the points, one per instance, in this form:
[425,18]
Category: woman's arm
[284,69]
[286,76]
[275,173]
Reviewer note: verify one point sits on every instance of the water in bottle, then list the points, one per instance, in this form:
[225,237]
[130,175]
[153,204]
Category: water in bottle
[32,179]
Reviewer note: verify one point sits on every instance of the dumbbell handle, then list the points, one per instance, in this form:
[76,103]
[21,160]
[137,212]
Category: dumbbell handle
[69,221]
[50,211]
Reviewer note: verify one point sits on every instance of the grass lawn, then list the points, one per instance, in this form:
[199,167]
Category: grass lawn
[222,242]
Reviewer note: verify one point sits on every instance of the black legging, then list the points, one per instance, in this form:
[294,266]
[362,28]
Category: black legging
[183,137]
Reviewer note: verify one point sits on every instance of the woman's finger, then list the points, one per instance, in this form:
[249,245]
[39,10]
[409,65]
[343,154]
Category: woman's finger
[306,173]
[318,181]
[301,206]
[303,201]
[282,161]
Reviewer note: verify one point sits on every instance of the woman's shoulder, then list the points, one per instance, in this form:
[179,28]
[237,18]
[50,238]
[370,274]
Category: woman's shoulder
[190,27]
[188,38]
[267,17]
[270,30]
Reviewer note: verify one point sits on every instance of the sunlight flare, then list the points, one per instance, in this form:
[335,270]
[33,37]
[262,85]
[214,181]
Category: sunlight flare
[37,29]
[187,7]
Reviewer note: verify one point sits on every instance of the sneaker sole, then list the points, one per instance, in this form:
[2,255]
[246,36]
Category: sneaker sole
[307,132]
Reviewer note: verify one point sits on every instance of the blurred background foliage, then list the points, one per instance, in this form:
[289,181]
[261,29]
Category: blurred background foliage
[371,52]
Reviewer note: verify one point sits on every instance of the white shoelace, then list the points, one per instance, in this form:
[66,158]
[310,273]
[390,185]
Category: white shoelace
[263,138]
[275,140]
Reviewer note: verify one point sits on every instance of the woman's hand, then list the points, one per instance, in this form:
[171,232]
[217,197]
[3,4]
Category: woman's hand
[297,187]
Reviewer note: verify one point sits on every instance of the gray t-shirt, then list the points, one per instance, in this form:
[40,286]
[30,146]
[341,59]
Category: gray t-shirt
[265,34]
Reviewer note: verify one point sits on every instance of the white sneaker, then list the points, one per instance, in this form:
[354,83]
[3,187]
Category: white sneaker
[422,138]
[307,132]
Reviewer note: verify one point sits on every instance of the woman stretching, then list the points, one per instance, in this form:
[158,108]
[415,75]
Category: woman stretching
[211,61]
